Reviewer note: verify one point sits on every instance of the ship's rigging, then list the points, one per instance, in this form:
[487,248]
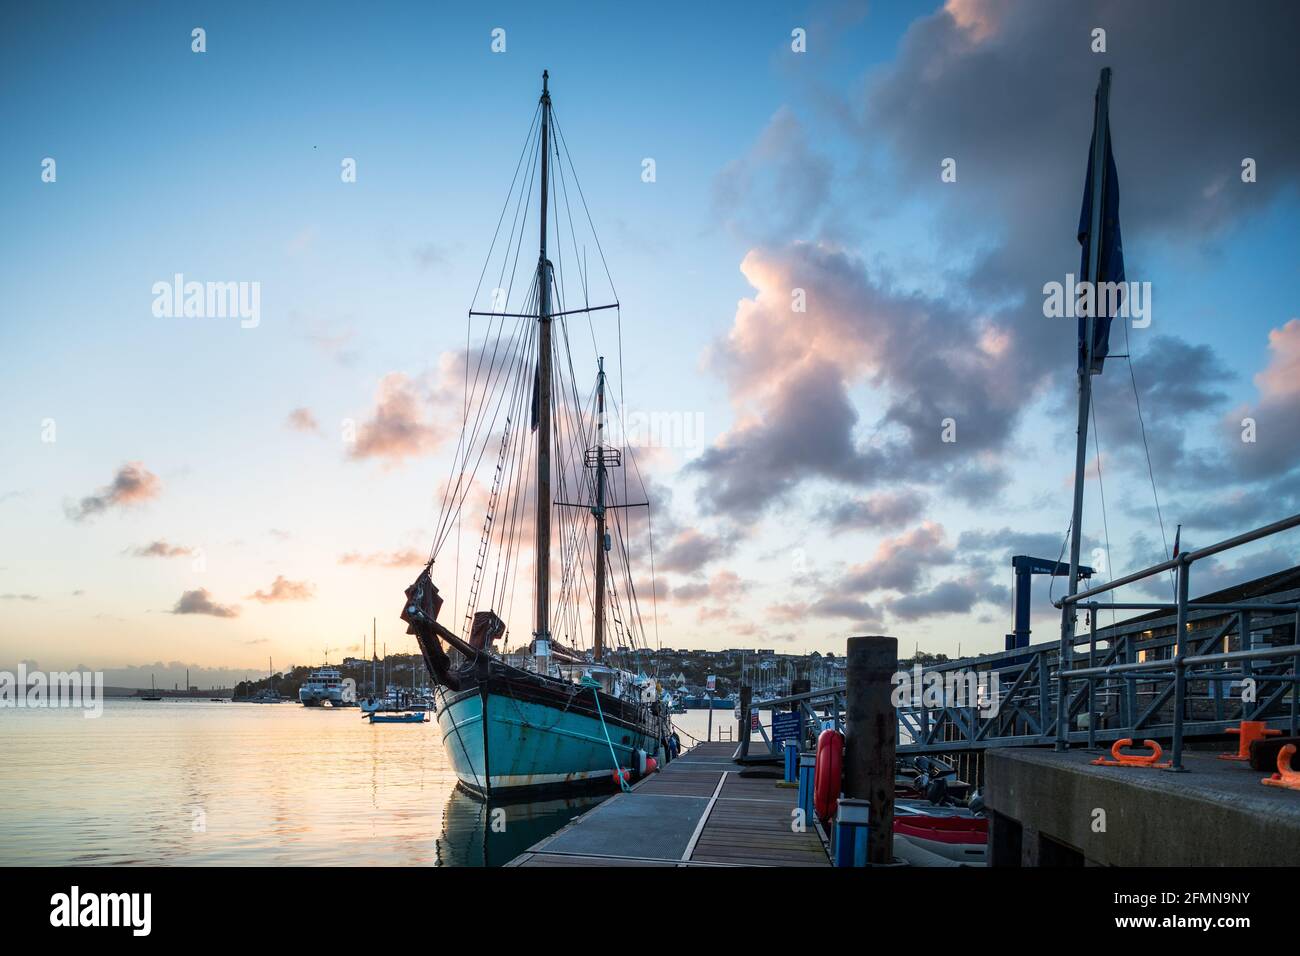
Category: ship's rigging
[587,485]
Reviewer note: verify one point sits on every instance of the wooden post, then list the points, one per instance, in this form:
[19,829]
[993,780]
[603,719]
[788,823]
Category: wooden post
[871,728]
[746,698]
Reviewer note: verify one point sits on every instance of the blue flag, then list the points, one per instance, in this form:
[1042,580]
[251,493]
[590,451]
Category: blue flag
[1111,254]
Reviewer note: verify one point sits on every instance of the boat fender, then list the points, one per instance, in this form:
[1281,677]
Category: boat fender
[640,763]
[622,776]
[651,765]
[828,773]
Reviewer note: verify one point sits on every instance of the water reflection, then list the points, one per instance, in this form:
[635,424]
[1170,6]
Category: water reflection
[199,783]
[479,832]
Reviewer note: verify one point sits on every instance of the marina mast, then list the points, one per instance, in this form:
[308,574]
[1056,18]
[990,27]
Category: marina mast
[541,635]
[1101,129]
[598,510]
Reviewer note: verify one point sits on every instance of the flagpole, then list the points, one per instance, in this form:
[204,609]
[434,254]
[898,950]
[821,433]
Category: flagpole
[1101,127]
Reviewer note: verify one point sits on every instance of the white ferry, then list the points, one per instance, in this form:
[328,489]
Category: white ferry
[324,686]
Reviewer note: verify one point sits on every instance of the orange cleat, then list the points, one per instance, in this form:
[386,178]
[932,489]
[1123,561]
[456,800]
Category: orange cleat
[1248,733]
[1133,760]
[1285,776]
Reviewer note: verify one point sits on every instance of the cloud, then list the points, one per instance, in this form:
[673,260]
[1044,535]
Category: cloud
[979,351]
[132,485]
[725,586]
[408,558]
[1006,542]
[1238,508]
[337,342]
[791,375]
[692,549]
[397,428]
[900,563]
[904,565]
[1021,162]
[285,590]
[831,607]
[945,94]
[200,602]
[302,419]
[884,511]
[431,256]
[777,188]
[1176,380]
[956,596]
[18,597]
[160,549]
[1214,574]
[1276,415]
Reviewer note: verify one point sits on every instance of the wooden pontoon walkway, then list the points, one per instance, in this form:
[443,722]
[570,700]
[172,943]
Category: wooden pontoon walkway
[703,809]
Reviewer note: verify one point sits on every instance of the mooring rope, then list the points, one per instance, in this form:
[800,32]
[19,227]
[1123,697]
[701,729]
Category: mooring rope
[618,772]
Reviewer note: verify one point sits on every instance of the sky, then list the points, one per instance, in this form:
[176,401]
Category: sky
[182,491]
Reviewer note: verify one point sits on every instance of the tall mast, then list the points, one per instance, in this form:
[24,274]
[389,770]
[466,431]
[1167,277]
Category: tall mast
[598,641]
[1101,128]
[542,633]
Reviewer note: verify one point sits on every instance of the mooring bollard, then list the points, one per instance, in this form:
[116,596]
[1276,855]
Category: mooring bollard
[871,727]
[807,766]
[851,832]
[791,762]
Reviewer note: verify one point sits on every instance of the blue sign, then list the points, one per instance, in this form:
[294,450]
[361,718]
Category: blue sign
[786,726]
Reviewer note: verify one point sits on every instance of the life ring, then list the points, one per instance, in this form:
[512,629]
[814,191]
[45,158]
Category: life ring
[828,773]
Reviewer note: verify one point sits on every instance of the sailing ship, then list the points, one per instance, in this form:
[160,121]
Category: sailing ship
[153,691]
[556,716]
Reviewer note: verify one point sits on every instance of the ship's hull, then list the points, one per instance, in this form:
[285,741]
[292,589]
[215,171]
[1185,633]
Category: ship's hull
[542,736]
[318,697]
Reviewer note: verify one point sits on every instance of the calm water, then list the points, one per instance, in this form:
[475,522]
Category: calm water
[194,782]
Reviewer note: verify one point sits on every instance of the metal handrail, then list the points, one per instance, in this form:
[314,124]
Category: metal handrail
[1044,673]
[1183,559]
[1182,564]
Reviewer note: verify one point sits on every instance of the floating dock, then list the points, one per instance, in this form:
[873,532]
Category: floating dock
[702,809]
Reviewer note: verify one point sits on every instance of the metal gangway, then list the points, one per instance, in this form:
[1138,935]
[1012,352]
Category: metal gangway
[1107,683]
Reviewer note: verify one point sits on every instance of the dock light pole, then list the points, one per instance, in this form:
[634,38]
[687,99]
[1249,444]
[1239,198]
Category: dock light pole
[871,738]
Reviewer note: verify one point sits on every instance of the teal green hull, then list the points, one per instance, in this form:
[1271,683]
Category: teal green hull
[527,745]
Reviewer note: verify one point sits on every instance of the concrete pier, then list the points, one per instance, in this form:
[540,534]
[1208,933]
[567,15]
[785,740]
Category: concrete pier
[1057,809]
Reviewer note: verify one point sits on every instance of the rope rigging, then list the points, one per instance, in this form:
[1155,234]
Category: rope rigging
[498,429]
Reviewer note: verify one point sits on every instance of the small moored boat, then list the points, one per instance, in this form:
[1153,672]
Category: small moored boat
[407,717]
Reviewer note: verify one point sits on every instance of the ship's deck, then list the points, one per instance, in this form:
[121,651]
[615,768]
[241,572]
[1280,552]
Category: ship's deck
[698,811]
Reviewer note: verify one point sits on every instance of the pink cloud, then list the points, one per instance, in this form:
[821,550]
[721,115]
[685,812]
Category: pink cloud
[160,549]
[397,429]
[132,485]
[285,590]
[200,602]
[408,558]
[302,419]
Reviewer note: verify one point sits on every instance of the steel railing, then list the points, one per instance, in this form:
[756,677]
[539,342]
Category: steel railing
[1036,698]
